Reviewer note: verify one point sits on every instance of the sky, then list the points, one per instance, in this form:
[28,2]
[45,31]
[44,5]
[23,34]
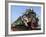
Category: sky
[17,11]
